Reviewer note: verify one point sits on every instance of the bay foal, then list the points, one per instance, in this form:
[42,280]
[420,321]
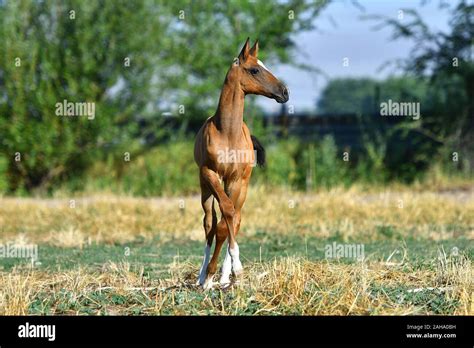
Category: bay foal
[224,152]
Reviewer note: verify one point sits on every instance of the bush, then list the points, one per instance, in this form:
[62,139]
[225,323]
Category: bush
[3,175]
[330,168]
[167,169]
[281,168]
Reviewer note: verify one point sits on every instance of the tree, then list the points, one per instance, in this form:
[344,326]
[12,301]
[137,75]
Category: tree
[206,36]
[348,95]
[446,60]
[73,51]
[364,95]
[133,59]
[386,144]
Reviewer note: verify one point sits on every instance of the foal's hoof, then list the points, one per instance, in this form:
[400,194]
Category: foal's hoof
[225,285]
[200,281]
[237,271]
[209,283]
[225,282]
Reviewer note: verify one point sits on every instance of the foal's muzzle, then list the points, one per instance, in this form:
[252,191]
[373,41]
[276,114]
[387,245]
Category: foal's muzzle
[283,95]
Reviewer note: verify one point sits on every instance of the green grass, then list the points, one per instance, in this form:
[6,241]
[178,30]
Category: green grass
[262,246]
[153,259]
[117,255]
[150,261]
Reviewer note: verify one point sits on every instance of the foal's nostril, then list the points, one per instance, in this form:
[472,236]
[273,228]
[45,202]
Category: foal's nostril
[281,95]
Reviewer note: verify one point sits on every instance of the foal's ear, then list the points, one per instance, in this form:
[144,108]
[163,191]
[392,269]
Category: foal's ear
[245,51]
[254,50]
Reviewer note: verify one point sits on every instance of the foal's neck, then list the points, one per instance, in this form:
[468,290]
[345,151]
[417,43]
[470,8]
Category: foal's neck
[230,111]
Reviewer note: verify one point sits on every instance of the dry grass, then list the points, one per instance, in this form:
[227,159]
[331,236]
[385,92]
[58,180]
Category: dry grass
[286,285]
[352,214]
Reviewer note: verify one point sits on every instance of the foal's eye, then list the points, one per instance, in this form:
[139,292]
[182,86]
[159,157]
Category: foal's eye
[254,71]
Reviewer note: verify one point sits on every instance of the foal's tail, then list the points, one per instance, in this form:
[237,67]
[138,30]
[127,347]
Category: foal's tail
[257,146]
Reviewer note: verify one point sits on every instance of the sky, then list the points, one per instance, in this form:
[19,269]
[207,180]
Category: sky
[341,32]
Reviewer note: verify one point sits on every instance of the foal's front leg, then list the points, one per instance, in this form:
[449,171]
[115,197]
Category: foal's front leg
[238,193]
[226,270]
[209,224]
[225,228]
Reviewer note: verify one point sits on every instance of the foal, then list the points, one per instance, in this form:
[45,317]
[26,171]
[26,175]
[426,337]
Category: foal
[218,150]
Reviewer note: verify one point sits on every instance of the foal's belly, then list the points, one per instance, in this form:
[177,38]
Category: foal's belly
[232,171]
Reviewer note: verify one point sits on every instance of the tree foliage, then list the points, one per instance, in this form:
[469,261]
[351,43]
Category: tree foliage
[364,95]
[446,59]
[77,51]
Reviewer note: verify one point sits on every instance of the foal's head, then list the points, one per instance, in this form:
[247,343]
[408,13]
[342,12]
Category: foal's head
[254,77]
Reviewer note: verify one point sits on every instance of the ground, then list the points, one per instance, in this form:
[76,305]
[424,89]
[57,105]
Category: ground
[111,255]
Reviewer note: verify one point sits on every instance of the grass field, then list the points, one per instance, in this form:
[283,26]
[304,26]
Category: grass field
[111,255]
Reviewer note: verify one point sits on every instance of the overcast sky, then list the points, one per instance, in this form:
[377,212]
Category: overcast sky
[342,33]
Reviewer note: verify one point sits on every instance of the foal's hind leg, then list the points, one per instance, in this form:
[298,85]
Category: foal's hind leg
[209,224]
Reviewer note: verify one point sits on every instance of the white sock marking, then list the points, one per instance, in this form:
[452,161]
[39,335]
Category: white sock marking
[236,264]
[205,262]
[209,283]
[226,269]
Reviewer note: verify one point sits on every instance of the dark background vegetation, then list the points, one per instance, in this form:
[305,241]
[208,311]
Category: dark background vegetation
[151,108]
